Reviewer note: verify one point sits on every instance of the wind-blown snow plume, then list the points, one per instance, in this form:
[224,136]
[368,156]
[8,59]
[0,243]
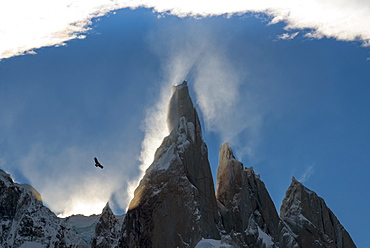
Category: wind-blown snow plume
[307,174]
[214,79]
[73,185]
[26,25]
[177,63]
[155,129]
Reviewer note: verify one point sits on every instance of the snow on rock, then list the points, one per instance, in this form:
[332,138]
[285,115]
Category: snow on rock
[83,225]
[211,243]
[247,211]
[5,178]
[26,222]
[178,184]
[312,223]
[175,204]
[265,239]
[107,230]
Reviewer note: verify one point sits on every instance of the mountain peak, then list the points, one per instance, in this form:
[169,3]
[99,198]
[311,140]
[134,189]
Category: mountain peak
[175,204]
[178,86]
[176,195]
[246,209]
[5,178]
[180,106]
[311,221]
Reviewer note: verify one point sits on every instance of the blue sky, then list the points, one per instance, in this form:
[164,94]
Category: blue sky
[290,104]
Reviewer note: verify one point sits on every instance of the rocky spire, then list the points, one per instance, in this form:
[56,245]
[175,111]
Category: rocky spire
[106,230]
[247,211]
[311,221]
[174,204]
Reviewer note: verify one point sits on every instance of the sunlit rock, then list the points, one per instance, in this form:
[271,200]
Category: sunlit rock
[247,212]
[175,205]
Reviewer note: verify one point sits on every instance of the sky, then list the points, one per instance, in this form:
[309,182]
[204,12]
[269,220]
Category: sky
[285,83]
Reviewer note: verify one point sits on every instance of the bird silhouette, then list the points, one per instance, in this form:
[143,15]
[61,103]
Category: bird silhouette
[97,164]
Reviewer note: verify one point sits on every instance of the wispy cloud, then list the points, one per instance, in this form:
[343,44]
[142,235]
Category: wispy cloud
[70,184]
[306,174]
[288,36]
[26,25]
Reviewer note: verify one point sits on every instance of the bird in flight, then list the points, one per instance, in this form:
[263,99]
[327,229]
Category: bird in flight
[97,164]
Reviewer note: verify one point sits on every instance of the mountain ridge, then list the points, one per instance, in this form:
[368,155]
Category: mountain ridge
[177,205]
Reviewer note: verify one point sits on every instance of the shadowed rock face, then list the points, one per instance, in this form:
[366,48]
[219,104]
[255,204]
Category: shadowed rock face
[246,208]
[313,224]
[24,220]
[175,205]
[107,230]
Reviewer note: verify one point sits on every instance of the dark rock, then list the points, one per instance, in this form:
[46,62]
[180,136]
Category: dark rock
[311,221]
[175,205]
[247,211]
[25,220]
[107,230]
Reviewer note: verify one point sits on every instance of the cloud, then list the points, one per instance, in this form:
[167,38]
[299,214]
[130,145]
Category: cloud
[288,36]
[155,129]
[28,25]
[70,184]
[191,52]
[178,58]
[314,35]
[195,52]
[307,174]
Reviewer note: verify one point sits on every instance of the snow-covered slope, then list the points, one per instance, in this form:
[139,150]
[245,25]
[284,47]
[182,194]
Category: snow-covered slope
[26,222]
[83,225]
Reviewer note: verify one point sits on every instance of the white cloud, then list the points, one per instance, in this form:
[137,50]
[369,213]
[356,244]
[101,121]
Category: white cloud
[27,25]
[307,174]
[195,53]
[155,129]
[70,184]
[178,57]
[288,36]
[314,35]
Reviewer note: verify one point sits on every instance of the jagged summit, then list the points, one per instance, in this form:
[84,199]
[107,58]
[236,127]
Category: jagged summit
[5,178]
[26,222]
[247,211]
[176,195]
[311,221]
[181,105]
[175,204]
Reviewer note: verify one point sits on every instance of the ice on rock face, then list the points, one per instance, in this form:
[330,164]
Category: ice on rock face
[164,161]
[176,194]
